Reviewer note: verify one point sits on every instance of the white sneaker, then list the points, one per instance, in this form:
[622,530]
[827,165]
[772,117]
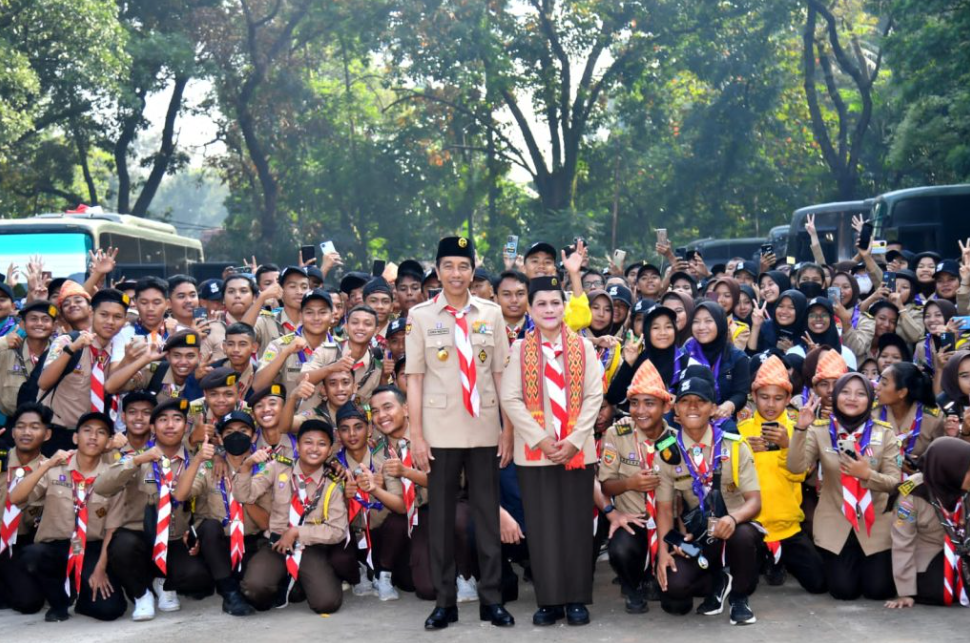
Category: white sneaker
[365,588]
[385,588]
[144,607]
[167,601]
[467,590]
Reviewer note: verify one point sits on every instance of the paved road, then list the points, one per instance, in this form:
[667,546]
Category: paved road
[784,614]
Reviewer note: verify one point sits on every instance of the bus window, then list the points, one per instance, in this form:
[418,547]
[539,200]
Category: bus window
[128,252]
[64,253]
[175,255]
[152,252]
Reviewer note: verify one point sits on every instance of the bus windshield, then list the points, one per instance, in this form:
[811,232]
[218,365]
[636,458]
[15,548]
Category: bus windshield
[64,253]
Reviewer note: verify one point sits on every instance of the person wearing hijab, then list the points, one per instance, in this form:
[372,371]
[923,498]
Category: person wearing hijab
[785,327]
[936,317]
[929,555]
[657,344]
[744,307]
[683,307]
[727,292]
[768,433]
[820,330]
[954,380]
[858,457]
[907,404]
[772,284]
[710,346]
[600,333]
[910,325]
[863,339]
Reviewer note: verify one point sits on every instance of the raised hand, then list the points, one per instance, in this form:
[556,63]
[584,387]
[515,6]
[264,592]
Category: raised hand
[810,225]
[807,414]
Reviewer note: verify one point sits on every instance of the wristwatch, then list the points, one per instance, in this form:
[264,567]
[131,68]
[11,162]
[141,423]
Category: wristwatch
[68,350]
[608,509]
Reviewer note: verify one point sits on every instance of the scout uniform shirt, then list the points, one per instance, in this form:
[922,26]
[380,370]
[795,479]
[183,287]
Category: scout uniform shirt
[367,371]
[326,523]
[31,514]
[930,427]
[738,474]
[218,495]
[271,325]
[528,433]
[285,450]
[72,397]
[200,409]
[430,349]
[375,461]
[16,365]
[830,526]
[291,374]
[625,452]
[383,445]
[138,487]
[917,537]
[56,492]
[168,389]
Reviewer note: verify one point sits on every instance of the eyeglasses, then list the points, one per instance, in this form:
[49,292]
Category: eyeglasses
[818,316]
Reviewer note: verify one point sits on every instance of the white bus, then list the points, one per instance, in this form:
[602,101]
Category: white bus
[64,239]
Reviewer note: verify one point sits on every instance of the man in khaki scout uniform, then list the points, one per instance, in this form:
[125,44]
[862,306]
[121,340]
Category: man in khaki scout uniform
[18,357]
[62,485]
[356,355]
[72,397]
[293,283]
[167,373]
[688,473]
[220,396]
[31,428]
[456,354]
[552,391]
[135,554]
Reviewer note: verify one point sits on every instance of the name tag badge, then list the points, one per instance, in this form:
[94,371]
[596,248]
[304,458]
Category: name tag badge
[432,332]
[876,439]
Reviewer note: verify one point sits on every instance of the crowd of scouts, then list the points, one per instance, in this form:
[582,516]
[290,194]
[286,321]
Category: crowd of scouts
[440,429]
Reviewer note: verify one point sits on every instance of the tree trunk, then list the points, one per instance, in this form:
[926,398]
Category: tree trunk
[165,152]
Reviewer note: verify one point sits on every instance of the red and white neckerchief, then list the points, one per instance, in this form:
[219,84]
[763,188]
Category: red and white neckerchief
[98,358]
[775,548]
[555,381]
[512,332]
[410,493]
[298,507]
[11,512]
[466,360]
[81,486]
[237,527]
[360,505]
[164,520]
[953,587]
[647,456]
[856,500]
[697,455]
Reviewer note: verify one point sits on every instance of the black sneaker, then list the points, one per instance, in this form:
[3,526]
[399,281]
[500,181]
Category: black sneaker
[776,575]
[741,614]
[56,615]
[714,603]
[651,589]
[636,602]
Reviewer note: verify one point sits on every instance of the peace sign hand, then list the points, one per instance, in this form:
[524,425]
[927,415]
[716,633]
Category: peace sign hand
[759,314]
[808,412]
[632,348]
[810,225]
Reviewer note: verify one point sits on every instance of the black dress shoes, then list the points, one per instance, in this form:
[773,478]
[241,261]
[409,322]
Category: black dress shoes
[548,615]
[441,617]
[497,614]
[577,614]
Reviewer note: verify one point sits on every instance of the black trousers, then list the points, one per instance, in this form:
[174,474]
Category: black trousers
[628,558]
[558,506]
[851,574]
[809,503]
[48,563]
[129,559]
[929,584]
[741,555]
[802,560]
[266,577]
[482,473]
[18,588]
[215,552]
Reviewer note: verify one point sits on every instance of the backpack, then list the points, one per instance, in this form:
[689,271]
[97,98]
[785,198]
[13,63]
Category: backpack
[29,390]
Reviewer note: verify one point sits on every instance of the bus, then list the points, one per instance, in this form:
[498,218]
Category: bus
[717,251]
[833,222]
[924,218]
[146,247]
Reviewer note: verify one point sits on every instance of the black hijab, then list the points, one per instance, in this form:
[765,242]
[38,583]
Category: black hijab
[944,465]
[831,336]
[797,328]
[745,289]
[713,350]
[665,359]
[783,283]
[951,377]
[850,424]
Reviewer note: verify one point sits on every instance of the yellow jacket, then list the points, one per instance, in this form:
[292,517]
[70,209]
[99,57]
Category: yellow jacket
[781,491]
[577,314]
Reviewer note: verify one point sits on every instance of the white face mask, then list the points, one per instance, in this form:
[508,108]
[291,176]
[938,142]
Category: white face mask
[865,283]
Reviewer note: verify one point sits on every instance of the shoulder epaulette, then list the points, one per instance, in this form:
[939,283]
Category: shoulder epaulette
[880,423]
[266,313]
[907,487]
[933,410]
[623,429]
[195,407]
[286,339]
[820,422]
[734,437]
[282,459]
[668,449]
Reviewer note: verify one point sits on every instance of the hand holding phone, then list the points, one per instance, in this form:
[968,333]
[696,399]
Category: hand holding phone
[199,313]
[847,447]
[865,236]
[948,342]
[834,294]
[662,236]
[307,254]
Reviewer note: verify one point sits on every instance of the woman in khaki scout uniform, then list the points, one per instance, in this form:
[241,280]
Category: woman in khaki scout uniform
[140,549]
[230,532]
[687,474]
[630,474]
[283,360]
[456,356]
[31,427]
[72,397]
[370,497]
[907,404]
[552,392]
[308,517]
[404,549]
[166,373]
[851,527]
[18,357]
[929,559]
[76,528]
